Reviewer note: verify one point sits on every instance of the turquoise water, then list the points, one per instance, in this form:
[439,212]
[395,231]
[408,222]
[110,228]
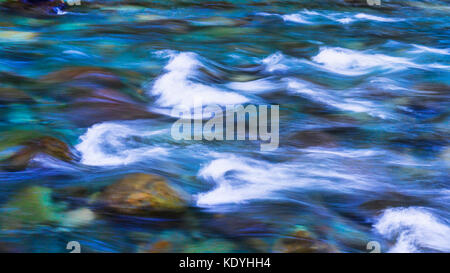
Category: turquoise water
[364,123]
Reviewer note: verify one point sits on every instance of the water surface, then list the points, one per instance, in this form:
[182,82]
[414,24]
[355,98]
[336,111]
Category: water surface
[364,121]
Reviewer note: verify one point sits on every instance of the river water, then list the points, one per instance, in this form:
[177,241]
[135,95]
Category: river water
[363,91]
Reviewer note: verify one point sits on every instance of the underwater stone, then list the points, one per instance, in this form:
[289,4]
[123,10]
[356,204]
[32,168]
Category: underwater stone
[12,95]
[47,145]
[142,194]
[160,247]
[301,241]
[210,246]
[31,206]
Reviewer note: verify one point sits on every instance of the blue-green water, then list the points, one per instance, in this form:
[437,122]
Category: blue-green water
[364,149]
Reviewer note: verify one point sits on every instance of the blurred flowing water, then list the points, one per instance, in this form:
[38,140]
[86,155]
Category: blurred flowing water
[364,121]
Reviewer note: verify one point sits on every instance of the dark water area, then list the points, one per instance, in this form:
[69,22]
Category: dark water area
[86,93]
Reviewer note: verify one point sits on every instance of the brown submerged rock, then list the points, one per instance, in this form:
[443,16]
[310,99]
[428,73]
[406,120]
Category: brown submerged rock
[93,74]
[46,145]
[160,247]
[12,95]
[142,194]
[95,94]
[392,200]
[89,113]
[301,241]
[313,138]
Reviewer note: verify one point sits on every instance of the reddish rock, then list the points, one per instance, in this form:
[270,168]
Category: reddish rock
[46,145]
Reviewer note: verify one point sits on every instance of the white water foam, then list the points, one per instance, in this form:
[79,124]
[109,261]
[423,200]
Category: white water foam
[337,101]
[256,86]
[414,229]
[365,16]
[439,66]
[343,152]
[422,49]
[295,18]
[314,17]
[111,143]
[240,179]
[352,63]
[347,18]
[177,87]
[275,62]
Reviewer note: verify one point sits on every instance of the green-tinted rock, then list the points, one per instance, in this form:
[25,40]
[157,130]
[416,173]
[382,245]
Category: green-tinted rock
[210,246]
[31,206]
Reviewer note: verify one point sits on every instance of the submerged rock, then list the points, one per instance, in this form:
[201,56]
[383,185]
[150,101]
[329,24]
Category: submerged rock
[35,205]
[47,145]
[301,241]
[210,246]
[93,94]
[386,200]
[6,247]
[31,206]
[94,74]
[313,138]
[17,36]
[160,247]
[35,7]
[142,194]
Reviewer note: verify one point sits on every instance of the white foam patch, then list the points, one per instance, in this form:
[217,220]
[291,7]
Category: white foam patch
[345,20]
[241,179]
[298,18]
[352,63]
[422,49]
[295,18]
[75,52]
[60,12]
[313,17]
[343,152]
[365,16]
[388,84]
[274,62]
[414,229]
[111,143]
[439,66]
[337,101]
[177,87]
[256,86]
